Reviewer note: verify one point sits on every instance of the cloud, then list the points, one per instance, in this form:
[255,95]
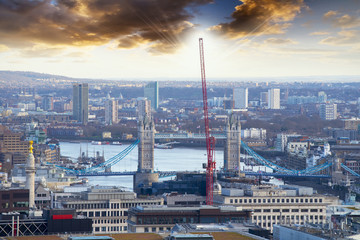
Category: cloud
[41,52]
[163,23]
[319,33]
[344,21]
[279,41]
[349,37]
[260,17]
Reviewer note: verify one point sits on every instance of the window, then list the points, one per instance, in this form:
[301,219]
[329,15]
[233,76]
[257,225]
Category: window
[91,214]
[294,210]
[153,229]
[266,210]
[276,210]
[103,213]
[97,214]
[254,200]
[304,210]
[231,201]
[257,210]
[236,201]
[313,210]
[285,210]
[146,229]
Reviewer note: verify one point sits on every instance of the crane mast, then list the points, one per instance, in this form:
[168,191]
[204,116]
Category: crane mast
[210,141]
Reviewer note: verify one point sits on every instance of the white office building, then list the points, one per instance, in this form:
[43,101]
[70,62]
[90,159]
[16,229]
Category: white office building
[240,96]
[328,111]
[274,98]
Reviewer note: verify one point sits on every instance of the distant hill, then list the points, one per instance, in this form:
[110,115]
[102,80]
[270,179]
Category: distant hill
[16,79]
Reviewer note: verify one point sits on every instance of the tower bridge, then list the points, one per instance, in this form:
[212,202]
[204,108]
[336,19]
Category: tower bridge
[145,174]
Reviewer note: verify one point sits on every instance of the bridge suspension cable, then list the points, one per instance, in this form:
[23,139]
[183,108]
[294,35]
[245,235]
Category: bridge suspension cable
[108,163]
[281,169]
[350,170]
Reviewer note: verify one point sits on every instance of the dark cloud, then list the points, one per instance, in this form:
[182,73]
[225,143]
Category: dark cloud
[259,17]
[162,23]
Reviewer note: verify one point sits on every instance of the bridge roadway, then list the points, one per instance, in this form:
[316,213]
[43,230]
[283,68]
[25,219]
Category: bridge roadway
[163,174]
[187,135]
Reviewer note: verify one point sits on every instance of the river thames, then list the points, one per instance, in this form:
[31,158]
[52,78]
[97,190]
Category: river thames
[176,159]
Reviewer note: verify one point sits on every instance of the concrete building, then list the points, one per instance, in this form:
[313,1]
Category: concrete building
[106,206]
[143,107]
[163,218]
[322,97]
[274,98]
[232,145]
[14,200]
[284,205]
[253,133]
[352,124]
[48,103]
[282,140]
[240,96]
[111,112]
[328,111]
[12,149]
[151,92]
[264,98]
[81,102]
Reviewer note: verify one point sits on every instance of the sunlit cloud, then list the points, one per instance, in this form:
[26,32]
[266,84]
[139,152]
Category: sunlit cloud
[260,17]
[343,21]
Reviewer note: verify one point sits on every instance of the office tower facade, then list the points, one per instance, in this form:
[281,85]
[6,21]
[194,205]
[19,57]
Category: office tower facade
[143,108]
[48,103]
[274,98]
[240,96]
[322,97]
[328,111]
[111,112]
[151,92]
[81,102]
[264,98]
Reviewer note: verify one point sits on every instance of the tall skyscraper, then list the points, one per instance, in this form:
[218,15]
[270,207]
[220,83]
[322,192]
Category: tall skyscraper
[274,98]
[264,98]
[143,108]
[48,103]
[81,102]
[151,92]
[240,96]
[111,111]
[322,97]
[328,111]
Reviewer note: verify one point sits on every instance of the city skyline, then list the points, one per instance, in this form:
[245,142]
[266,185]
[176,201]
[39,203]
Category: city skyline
[243,39]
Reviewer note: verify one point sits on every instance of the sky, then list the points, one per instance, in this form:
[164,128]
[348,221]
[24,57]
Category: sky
[158,39]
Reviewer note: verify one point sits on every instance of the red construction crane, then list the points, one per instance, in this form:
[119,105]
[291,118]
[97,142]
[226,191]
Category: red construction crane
[210,141]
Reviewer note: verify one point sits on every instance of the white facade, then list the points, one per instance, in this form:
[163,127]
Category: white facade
[287,205]
[328,111]
[254,133]
[240,96]
[143,107]
[111,112]
[274,98]
[106,206]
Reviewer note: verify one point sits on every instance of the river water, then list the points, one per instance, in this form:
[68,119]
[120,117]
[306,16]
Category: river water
[176,159]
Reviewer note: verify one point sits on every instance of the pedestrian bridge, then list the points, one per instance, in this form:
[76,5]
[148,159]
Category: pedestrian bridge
[188,136]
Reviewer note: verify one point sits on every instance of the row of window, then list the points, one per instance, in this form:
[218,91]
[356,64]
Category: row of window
[276,200]
[153,229]
[302,217]
[106,205]
[110,229]
[109,221]
[288,210]
[104,213]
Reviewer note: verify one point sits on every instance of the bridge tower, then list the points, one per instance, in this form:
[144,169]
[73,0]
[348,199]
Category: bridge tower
[145,175]
[232,145]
